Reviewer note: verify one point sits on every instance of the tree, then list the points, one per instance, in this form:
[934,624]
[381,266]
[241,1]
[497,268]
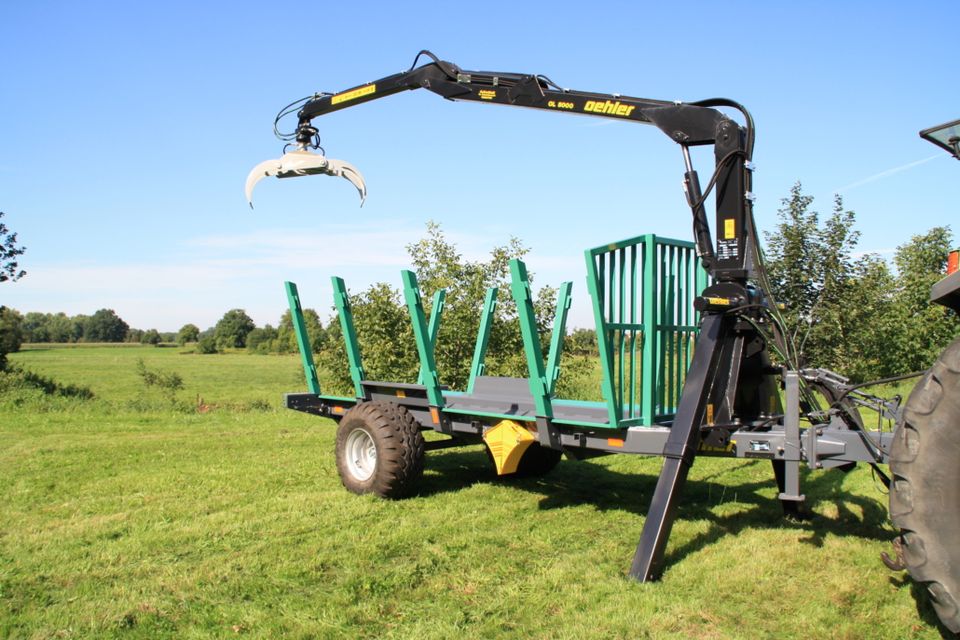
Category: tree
[791,254]
[11,335]
[150,336]
[384,330]
[286,338]
[48,327]
[923,329]
[439,265]
[35,327]
[61,328]
[232,329]
[869,310]
[385,335]
[207,344]
[105,326]
[582,342]
[78,327]
[9,252]
[262,340]
[811,271]
[857,316]
[188,333]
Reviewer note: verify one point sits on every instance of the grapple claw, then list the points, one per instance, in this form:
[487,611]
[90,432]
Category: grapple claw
[346,170]
[304,163]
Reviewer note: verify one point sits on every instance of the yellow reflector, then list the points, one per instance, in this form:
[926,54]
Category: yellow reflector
[614,442]
[435,415]
[507,441]
[729,228]
[401,393]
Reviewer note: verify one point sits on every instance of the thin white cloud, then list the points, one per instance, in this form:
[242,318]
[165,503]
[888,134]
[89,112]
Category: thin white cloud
[887,173]
[217,273]
[73,280]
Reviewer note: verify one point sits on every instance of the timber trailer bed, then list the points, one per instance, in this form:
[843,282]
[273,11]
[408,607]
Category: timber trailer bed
[684,332]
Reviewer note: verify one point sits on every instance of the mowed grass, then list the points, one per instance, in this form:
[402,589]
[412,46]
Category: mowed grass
[123,517]
[233,380]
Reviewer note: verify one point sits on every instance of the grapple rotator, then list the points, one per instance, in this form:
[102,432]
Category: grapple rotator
[303,162]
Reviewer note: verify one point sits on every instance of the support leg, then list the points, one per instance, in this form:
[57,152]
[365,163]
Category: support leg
[791,507]
[679,452]
[787,471]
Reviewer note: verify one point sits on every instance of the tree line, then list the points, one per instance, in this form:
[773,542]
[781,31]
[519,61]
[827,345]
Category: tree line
[235,330]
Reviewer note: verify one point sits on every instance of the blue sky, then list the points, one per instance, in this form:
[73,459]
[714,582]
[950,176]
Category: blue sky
[127,130]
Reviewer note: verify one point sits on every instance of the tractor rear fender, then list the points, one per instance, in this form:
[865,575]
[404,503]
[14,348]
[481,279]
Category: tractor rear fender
[947,292]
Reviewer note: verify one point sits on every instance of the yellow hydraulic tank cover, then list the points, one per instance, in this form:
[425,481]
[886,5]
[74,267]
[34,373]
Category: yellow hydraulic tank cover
[507,441]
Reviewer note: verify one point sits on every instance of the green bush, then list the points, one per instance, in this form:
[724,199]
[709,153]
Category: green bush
[11,333]
[207,345]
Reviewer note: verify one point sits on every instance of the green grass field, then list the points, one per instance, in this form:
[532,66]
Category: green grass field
[131,515]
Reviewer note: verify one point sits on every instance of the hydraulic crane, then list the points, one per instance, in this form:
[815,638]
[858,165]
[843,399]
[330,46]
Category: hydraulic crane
[730,402]
[731,369]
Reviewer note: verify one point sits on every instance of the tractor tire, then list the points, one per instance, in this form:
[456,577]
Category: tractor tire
[537,461]
[925,492]
[379,450]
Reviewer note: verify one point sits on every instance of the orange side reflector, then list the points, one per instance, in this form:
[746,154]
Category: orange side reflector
[953,262]
[337,410]
[614,442]
[435,415]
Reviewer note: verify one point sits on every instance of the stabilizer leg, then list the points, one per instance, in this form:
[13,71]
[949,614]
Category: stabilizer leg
[679,452]
[791,506]
[787,471]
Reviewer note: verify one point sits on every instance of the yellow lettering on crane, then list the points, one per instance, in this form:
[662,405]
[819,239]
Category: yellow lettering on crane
[353,94]
[725,449]
[719,302]
[609,108]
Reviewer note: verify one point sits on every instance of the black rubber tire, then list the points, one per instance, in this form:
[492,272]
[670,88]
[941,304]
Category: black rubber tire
[925,492]
[537,461]
[399,449]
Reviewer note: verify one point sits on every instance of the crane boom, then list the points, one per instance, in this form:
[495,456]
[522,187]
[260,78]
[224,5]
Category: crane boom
[687,124]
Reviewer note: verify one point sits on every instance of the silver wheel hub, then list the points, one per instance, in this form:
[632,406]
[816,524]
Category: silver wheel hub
[361,453]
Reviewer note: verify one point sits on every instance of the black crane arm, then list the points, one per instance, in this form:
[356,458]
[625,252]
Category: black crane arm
[687,124]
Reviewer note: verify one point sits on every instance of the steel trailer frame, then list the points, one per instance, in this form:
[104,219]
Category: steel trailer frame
[636,279]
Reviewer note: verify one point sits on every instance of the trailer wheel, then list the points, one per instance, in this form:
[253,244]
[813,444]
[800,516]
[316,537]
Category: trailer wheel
[537,461]
[925,493]
[379,450]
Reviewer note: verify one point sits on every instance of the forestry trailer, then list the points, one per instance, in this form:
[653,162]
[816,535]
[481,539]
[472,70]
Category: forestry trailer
[694,355]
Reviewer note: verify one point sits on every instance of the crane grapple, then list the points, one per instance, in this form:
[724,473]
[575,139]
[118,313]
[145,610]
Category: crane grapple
[302,162]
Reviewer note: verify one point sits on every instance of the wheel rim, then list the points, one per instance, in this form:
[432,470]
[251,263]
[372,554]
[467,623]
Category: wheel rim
[361,454]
